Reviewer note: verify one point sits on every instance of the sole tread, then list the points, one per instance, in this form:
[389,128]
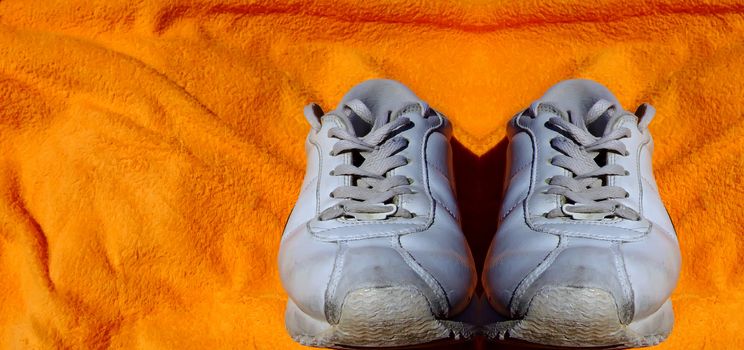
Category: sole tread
[571,317]
[391,317]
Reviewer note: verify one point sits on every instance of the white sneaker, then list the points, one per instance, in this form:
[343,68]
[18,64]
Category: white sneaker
[372,254]
[585,254]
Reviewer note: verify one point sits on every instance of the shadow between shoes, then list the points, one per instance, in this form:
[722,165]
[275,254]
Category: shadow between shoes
[479,182]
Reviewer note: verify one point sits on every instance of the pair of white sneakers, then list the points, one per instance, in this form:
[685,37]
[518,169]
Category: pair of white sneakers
[373,254]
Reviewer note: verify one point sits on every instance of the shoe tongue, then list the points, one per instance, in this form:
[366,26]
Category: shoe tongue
[602,117]
[357,116]
[376,99]
[360,120]
[577,97]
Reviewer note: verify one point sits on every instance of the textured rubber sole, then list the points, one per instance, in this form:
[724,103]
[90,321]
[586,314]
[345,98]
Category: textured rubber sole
[581,317]
[377,317]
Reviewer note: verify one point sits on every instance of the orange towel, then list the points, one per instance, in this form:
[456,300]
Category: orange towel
[151,150]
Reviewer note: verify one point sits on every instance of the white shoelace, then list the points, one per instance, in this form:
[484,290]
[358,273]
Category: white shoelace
[588,198]
[371,194]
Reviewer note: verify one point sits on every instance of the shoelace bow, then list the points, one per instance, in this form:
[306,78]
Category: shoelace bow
[591,200]
[367,198]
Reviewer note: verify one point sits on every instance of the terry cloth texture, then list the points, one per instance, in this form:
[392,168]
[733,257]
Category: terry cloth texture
[150,151]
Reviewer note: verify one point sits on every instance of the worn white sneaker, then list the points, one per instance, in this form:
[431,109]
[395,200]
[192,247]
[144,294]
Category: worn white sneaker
[372,254]
[585,254]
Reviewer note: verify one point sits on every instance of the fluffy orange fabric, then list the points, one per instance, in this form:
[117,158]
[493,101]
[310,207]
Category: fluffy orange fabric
[151,150]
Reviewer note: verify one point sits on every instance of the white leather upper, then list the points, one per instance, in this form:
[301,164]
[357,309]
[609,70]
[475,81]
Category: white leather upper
[321,261]
[638,262]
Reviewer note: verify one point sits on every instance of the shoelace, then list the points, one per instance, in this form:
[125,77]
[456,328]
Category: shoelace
[369,197]
[590,199]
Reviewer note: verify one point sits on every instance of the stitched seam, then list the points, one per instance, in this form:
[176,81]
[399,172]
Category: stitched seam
[597,223]
[533,177]
[336,123]
[365,223]
[651,185]
[533,170]
[370,235]
[425,168]
[516,204]
[624,280]
[535,274]
[332,313]
[640,175]
[519,170]
[318,177]
[309,183]
[637,165]
[637,237]
[442,299]
[441,203]
[440,171]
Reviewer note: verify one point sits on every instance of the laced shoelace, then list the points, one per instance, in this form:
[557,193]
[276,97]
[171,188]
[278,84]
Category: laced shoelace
[590,199]
[369,198]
